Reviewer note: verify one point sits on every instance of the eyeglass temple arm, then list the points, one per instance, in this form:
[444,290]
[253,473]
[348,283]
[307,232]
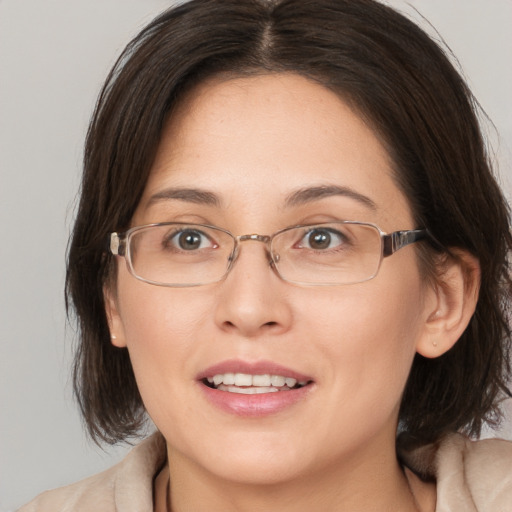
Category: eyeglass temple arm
[117,244]
[395,241]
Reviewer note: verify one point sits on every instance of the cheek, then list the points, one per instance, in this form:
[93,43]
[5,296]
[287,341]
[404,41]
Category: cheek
[153,320]
[368,335]
[365,317]
[158,317]
[161,327]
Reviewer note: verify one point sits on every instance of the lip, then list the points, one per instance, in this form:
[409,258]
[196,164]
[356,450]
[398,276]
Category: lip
[253,368]
[258,405]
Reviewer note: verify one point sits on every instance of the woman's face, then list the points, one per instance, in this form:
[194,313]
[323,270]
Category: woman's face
[251,143]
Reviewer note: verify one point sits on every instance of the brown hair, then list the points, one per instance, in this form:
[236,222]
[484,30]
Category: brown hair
[399,80]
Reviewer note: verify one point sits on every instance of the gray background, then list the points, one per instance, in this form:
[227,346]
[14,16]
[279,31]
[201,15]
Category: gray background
[54,55]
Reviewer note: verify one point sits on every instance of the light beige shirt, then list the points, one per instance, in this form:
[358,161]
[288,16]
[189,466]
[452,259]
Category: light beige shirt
[471,477]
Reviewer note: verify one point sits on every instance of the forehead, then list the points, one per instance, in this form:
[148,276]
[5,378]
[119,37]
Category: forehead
[278,111]
[261,138]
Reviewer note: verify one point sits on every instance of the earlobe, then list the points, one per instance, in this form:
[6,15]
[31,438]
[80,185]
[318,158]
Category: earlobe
[115,324]
[451,303]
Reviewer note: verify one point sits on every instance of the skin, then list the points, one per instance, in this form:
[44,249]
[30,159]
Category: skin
[252,142]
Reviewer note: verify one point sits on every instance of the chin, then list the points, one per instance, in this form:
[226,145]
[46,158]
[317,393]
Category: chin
[254,462]
[257,472]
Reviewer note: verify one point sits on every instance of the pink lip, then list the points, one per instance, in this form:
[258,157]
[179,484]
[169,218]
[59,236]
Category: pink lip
[258,405]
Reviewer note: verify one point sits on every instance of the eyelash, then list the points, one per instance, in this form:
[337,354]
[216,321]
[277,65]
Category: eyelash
[171,240]
[343,239]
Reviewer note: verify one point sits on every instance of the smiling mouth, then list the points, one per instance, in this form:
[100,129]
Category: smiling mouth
[249,384]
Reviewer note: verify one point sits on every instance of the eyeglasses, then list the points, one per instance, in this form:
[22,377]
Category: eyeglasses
[334,253]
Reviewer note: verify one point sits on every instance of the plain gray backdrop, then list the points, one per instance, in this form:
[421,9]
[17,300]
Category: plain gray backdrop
[54,55]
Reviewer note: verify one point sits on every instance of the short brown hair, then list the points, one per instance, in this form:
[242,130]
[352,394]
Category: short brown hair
[394,75]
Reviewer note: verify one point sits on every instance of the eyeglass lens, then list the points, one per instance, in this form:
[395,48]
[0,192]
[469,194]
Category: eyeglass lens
[187,254]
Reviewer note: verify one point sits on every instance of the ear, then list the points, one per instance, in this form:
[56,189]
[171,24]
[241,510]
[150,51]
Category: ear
[115,324]
[450,304]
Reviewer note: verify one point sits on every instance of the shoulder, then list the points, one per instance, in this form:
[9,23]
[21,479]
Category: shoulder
[474,476]
[127,486]
[482,470]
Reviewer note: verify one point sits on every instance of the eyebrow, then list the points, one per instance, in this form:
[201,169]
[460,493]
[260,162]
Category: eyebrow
[190,195]
[310,194]
[297,198]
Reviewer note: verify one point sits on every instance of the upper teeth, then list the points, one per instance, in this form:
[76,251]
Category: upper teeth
[245,379]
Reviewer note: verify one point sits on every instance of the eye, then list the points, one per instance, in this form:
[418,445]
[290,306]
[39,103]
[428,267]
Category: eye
[321,239]
[188,240]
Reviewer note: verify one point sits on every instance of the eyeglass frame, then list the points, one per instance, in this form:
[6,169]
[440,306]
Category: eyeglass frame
[390,244]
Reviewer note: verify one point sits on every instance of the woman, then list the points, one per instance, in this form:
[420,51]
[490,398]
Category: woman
[280,258]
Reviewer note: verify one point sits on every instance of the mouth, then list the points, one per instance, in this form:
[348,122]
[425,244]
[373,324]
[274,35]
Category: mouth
[252,384]
[254,389]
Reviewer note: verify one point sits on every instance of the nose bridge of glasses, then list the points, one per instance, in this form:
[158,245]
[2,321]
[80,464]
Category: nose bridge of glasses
[253,237]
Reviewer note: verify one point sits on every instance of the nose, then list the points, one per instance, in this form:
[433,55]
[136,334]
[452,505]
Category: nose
[253,300]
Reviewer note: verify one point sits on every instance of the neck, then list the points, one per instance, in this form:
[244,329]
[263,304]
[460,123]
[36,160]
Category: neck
[354,486]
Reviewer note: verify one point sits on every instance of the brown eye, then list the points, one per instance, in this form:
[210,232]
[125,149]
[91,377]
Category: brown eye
[189,240]
[319,239]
